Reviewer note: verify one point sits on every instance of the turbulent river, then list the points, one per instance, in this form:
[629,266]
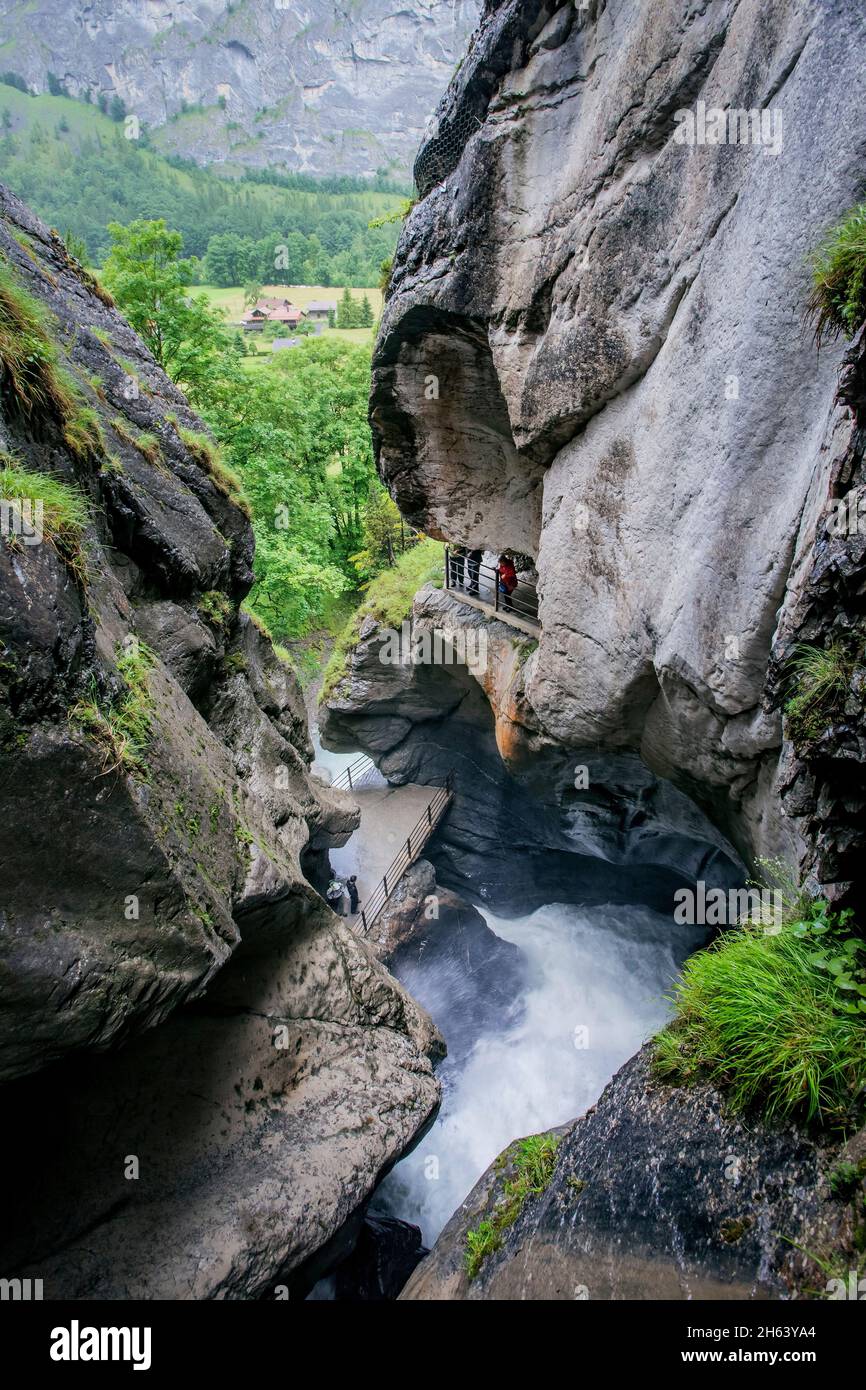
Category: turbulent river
[585,987]
[596,981]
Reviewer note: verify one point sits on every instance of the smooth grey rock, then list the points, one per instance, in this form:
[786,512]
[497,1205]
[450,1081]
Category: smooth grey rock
[614,393]
[188,647]
[656,1193]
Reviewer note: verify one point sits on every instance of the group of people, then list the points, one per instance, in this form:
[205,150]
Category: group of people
[463,562]
[335,895]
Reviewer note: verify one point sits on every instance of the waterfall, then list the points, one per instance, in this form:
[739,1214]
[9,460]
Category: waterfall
[594,990]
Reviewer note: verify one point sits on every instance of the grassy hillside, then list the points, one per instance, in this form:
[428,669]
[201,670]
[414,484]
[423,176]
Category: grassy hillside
[79,171]
[232,299]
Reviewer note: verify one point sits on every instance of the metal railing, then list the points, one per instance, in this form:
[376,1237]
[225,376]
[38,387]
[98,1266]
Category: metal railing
[479,581]
[357,774]
[412,847]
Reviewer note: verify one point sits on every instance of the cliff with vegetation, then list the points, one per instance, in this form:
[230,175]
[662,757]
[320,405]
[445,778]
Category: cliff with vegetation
[225,1068]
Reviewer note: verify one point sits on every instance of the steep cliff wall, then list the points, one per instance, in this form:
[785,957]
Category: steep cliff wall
[157,808]
[593,351]
[318,86]
[523,829]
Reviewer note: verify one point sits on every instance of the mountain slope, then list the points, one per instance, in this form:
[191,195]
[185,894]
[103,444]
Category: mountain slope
[75,167]
[323,87]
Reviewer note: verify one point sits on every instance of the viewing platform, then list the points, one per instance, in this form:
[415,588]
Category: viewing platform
[478,586]
[396,823]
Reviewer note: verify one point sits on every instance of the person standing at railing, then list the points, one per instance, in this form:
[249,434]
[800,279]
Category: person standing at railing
[473,564]
[507,580]
[352,888]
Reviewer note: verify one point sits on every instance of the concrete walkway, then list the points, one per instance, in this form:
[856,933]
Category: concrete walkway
[388,814]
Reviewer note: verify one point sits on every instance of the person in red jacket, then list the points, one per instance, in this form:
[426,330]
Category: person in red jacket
[507,579]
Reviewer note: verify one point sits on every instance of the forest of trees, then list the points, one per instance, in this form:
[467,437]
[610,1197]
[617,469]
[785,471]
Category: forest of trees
[80,170]
[294,432]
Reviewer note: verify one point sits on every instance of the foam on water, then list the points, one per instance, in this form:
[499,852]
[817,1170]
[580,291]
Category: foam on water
[597,981]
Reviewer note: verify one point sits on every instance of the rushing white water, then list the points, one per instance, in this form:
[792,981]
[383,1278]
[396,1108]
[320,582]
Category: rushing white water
[597,981]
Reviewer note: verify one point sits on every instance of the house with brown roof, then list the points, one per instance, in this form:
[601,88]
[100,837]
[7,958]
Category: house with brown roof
[270,310]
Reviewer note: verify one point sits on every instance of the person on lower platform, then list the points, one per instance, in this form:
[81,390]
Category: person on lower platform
[473,564]
[334,896]
[507,580]
[352,890]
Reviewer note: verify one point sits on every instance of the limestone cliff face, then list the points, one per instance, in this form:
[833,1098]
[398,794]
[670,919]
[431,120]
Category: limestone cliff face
[593,351]
[317,86]
[272,1069]
[523,830]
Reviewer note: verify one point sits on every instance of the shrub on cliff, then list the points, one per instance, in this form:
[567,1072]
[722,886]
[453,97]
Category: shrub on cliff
[837,302]
[821,678]
[775,1019]
[33,382]
[122,728]
[389,601]
[61,508]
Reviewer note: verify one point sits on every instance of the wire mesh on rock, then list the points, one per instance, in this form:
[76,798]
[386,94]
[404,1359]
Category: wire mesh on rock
[441,153]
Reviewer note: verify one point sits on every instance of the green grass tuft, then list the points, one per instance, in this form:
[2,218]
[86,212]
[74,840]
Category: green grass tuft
[534,1160]
[207,453]
[837,302]
[821,678]
[217,609]
[147,445]
[775,1019]
[33,383]
[82,434]
[123,729]
[388,600]
[64,509]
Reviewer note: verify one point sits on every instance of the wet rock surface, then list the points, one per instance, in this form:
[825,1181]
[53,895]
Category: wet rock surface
[519,833]
[657,1193]
[223,1068]
[610,396]
[386,1254]
[822,778]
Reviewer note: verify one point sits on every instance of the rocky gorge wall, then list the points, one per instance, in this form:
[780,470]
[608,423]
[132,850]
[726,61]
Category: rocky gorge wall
[532,820]
[224,1067]
[593,351]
